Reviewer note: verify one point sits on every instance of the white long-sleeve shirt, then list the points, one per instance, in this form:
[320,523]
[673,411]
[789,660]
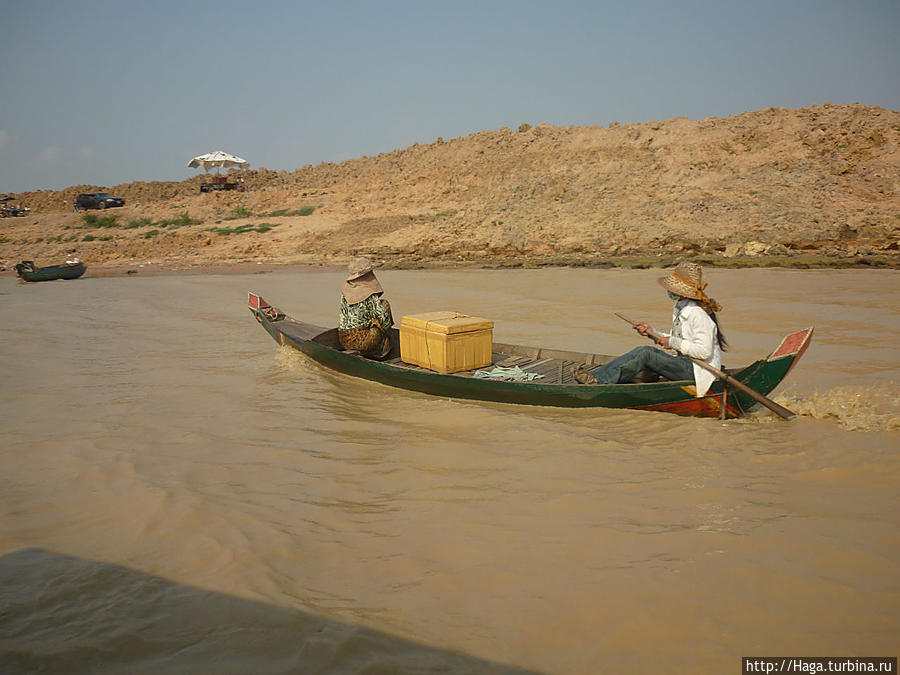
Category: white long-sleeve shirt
[694,334]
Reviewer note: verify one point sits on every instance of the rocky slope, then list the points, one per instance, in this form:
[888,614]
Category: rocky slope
[790,184]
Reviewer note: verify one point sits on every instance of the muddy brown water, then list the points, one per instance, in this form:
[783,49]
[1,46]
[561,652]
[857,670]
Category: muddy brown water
[180,494]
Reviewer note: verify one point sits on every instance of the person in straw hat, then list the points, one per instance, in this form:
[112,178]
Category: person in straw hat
[695,333]
[365,323]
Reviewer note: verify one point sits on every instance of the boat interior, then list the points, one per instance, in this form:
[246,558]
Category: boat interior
[554,366]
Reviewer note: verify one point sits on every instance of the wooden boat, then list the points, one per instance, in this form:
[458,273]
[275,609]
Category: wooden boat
[69,270]
[557,385]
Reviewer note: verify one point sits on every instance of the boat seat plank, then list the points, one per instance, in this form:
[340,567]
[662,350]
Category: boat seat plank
[549,370]
[505,361]
[536,364]
[298,330]
[397,361]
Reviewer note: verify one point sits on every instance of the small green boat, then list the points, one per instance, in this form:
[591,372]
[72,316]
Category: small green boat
[555,387]
[69,270]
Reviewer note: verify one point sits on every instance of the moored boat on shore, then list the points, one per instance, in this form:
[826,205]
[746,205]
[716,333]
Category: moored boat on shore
[68,270]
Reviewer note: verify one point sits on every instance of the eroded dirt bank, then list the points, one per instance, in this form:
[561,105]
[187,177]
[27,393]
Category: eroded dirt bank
[798,187]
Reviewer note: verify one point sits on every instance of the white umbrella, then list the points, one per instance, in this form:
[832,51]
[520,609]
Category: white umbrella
[218,159]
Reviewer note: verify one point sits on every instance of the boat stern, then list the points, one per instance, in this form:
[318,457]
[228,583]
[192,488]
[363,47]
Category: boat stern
[792,346]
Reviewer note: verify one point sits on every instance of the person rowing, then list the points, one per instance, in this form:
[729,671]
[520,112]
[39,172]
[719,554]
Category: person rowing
[695,334]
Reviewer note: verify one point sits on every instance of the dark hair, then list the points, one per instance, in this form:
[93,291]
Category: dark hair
[720,337]
[710,306]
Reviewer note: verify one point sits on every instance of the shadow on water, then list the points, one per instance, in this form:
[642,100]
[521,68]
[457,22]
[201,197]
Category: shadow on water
[61,614]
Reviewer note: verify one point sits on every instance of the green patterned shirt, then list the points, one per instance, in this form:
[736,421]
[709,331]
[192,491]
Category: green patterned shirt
[360,314]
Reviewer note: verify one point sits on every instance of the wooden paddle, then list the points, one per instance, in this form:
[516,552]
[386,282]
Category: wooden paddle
[782,412]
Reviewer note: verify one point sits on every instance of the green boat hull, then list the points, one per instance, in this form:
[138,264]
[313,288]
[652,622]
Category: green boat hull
[28,272]
[320,344]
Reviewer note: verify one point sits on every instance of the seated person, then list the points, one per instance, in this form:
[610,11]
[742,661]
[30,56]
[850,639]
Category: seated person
[695,333]
[365,324]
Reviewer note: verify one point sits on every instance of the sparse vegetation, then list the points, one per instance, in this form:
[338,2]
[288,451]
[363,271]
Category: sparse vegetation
[93,220]
[302,211]
[241,229]
[179,221]
[240,212]
[136,223]
[139,222]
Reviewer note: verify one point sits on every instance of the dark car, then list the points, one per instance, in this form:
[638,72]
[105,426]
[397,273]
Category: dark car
[7,210]
[97,200]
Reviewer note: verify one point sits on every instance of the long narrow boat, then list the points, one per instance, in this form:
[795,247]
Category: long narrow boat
[555,387]
[69,270]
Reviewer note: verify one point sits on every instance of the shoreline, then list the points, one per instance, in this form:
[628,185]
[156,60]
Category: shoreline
[798,262]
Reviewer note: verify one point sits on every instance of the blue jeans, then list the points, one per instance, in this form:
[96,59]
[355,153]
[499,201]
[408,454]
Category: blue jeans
[624,368]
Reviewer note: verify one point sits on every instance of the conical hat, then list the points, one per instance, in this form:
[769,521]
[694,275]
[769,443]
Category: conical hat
[685,280]
[359,267]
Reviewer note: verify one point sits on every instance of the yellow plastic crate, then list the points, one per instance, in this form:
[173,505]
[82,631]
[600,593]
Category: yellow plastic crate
[446,342]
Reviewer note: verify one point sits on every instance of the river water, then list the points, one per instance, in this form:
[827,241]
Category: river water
[181,495]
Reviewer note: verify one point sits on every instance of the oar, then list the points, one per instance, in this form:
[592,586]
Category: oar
[726,378]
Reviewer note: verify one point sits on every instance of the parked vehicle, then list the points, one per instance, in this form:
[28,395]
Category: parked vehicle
[221,183]
[7,210]
[97,200]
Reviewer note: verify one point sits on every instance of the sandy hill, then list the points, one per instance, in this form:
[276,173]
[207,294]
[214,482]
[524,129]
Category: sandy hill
[781,182]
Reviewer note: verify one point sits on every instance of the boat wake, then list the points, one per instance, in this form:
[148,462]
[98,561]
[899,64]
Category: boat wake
[292,360]
[855,408]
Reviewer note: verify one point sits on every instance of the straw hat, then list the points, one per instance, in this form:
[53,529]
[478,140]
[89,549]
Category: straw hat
[359,267]
[685,280]
[361,282]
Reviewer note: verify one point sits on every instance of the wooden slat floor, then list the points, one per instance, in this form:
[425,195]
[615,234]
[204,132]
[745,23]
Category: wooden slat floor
[552,371]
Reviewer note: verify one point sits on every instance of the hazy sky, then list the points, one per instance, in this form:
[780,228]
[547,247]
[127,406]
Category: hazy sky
[108,92]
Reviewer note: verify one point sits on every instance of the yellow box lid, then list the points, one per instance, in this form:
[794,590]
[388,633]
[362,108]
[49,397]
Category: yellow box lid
[446,322]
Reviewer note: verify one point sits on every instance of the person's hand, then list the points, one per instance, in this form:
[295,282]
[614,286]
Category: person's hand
[643,328]
[663,342]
